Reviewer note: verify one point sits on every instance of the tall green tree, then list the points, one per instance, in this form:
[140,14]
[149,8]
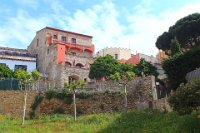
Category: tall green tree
[125,67]
[5,72]
[126,71]
[72,87]
[187,31]
[175,46]
[104,67]
[145,68]
[176,67]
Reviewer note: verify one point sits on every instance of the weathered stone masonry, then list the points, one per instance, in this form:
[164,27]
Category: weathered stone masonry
[11,102]
[62,56]
[140,96]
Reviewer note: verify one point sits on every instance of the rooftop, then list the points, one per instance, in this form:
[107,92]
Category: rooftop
[69,32]
[15,52]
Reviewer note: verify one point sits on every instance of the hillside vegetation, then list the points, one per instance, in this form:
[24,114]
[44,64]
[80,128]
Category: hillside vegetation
[134,122]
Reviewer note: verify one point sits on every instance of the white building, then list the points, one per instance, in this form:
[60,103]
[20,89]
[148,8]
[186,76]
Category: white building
[17,59]
[117,53]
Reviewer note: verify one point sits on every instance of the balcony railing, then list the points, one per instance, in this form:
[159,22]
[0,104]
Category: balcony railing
[71,45]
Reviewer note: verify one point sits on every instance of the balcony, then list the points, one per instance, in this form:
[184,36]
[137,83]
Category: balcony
[68,45]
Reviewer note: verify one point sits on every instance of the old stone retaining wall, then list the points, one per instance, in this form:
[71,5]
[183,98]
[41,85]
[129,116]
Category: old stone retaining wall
[97,103]
[108,98]
[11,102]
[140,96]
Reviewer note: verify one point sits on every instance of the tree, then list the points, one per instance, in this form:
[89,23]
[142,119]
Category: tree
[187,31]
[36,77]
[25,80]
[128,75]
[125,67]
[73,86]
[5,72]
[115,77]
[125,71]
[145,68]
[104,67]
[176,67]
[186,98]
[175,46]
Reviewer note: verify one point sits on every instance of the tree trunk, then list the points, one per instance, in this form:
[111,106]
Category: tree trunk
[74,100]
[24,107]
[125,98]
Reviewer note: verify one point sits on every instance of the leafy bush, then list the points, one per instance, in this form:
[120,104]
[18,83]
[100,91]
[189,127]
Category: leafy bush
[83,95]
[50,94]
[59,110]
[177,66]
[146,68]
[115,77]
[32,114]
[59,94]
[186,98]
[5,72]
[79,111]
[37,101]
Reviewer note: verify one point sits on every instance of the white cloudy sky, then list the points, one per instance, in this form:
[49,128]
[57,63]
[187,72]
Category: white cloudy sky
[134,24]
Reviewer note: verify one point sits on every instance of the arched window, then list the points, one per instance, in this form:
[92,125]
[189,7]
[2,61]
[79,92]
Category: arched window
[68,64]
[79,65]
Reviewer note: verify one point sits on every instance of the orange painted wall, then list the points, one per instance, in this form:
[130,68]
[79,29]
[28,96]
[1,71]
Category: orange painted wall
[49,39]
[135,59]
[60,53]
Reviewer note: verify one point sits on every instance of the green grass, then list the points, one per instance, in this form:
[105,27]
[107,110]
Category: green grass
[134,122]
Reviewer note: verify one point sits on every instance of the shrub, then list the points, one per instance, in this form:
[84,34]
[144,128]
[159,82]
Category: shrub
[32,114]
[79,111]
[83,95]
[186,98]
[50,94]
[68,100]
[176,67]
[37,101]
[59,110]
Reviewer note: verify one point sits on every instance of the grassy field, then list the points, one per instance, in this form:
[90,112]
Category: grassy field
[134,122]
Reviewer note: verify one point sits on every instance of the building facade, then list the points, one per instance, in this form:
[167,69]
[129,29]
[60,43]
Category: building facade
[17,59]
[116,53]
[62,56]
[161,56]
[135,59]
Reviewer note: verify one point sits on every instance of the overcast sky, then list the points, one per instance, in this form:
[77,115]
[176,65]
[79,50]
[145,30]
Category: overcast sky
[133,24]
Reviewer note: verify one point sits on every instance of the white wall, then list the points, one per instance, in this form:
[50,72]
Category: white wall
[11,64]
[123,53]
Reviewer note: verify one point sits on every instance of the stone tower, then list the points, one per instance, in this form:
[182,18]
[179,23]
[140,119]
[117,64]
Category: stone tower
[62,56]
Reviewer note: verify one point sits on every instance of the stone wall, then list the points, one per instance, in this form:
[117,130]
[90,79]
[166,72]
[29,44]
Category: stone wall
[11,102]
[108,98]
[97,103]
[162,105]
[99,100]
